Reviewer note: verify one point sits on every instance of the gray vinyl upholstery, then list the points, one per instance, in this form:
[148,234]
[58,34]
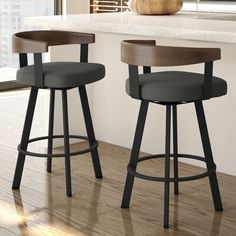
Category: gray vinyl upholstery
[176,86]
[63,74]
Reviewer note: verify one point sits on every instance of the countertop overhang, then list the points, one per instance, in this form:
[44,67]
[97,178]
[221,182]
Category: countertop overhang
[184,25]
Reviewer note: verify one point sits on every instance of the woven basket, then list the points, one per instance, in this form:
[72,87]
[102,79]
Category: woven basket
[155,7]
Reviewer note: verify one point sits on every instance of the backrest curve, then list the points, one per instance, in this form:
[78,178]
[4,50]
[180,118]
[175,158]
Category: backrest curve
[39,41]
[25,45]
[141,54]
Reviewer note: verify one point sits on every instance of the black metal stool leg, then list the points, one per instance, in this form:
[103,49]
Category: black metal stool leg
[135,153]
[25,137]
[90,131]
[208,155]
[167,167]
[175,148]
[66,143]
[50,129]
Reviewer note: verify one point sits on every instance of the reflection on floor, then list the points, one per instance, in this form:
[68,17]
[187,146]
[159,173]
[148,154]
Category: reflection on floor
[42,208]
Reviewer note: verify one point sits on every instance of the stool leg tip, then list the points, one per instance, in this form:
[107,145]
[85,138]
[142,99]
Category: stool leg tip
[124,205]
[176,192]
[219,209]
[100,176]
[14,188]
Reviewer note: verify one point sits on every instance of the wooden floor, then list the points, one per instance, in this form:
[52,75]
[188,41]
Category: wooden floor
[42,208]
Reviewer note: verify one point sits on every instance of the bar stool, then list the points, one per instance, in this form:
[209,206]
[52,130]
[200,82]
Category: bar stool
[170,88]
[61,76]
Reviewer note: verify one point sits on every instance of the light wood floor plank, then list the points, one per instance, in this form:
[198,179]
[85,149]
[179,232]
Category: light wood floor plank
[42,208]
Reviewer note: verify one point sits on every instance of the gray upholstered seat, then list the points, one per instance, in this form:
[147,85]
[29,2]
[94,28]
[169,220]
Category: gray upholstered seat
[63,74]
[176,86]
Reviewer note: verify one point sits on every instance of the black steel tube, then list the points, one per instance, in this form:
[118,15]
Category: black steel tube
[66,143]
[167,167]
[135,153]
[25,137]
[208,155]
[35,154]
[90,131]
[50,129]
[175,148]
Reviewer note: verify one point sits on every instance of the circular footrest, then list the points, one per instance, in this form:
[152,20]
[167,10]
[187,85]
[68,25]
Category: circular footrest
[35,154]
[132,171]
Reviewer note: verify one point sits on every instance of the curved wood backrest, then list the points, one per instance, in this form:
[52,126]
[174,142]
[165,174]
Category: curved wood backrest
[146,53]
[39,41]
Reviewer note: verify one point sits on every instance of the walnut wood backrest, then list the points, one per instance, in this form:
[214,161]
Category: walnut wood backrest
[146,53]
[39,41]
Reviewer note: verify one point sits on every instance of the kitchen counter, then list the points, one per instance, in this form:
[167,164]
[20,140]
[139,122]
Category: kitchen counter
[115,113]
[184,25]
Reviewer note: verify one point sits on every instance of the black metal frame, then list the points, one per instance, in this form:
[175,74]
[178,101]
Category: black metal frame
[208,155]
[50,155]
[134,159]
[135,153]
[90,131]
[25,137]
[175,148]
[167,167]
[22,148]
[169,179]
[50,130]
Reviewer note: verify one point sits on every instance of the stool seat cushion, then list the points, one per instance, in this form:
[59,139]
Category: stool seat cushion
[176,86]
[63,74]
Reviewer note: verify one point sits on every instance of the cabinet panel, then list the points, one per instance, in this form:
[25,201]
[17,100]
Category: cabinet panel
[98,6]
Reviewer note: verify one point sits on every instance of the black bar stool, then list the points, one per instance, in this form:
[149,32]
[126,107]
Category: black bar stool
[170,88]
[56,76]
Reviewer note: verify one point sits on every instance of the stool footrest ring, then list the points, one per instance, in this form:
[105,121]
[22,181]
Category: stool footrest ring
[132,171]
[25,152]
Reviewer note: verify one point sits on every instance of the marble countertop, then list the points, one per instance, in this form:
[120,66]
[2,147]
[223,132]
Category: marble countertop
[184,25]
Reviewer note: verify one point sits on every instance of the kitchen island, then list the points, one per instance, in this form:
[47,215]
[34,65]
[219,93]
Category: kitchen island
[115,113]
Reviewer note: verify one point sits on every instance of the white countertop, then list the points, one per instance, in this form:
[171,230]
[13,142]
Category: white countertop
[204,27]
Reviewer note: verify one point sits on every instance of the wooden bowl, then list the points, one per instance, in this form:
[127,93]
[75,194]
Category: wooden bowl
[155,7]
